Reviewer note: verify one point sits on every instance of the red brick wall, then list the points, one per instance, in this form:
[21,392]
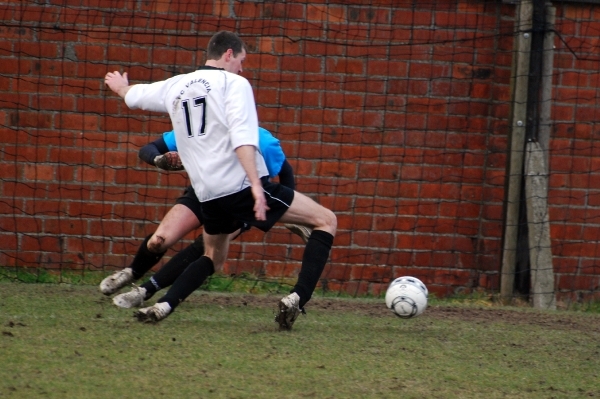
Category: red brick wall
[394,114]
[575,150]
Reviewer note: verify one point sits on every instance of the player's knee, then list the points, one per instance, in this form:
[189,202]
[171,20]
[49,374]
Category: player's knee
[331,220]
[156,244]
[327,221]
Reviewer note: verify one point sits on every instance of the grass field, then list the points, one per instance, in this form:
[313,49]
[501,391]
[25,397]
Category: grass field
[69,341]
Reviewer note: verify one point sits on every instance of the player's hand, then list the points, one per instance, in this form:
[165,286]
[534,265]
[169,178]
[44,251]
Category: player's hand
[117,82]
[260,203]
[168,161]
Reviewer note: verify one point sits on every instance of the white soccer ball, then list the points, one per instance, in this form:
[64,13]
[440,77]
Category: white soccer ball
[406,297]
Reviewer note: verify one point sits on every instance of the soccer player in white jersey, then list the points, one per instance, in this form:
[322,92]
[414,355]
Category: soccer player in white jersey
[216,130]
[155,154]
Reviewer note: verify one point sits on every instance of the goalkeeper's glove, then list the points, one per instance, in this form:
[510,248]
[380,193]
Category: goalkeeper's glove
[168,161]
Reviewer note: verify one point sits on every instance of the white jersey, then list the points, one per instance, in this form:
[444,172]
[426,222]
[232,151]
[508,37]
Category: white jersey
[213,113]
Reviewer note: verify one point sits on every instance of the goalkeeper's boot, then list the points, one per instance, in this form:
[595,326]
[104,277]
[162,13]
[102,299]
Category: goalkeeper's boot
[116,281]
[302,231]
[289,309]
[159,311]
[132,299]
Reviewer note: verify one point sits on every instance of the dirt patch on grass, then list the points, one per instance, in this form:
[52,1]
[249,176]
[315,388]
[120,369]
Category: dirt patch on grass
[480,314]
[516,316]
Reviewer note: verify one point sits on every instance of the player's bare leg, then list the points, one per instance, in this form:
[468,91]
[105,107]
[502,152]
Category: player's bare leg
[215,254]
[306,212]
[216,248]
[179,221]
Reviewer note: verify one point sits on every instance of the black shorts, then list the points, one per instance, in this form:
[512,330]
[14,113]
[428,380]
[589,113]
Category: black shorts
[190,200]
[223,215]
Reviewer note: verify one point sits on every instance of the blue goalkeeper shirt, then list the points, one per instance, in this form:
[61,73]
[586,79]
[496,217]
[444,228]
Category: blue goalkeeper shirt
[270,148]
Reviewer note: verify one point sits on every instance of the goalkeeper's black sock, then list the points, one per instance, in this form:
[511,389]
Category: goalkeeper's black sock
[144,260]
[174,267]
[313,262]
[189,281]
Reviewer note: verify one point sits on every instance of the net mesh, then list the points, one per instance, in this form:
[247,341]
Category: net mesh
[394,114]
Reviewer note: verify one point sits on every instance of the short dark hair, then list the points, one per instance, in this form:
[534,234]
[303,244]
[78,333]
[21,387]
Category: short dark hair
[223,41]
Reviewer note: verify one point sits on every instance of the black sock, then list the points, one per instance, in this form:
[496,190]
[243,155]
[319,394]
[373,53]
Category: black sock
[313,262]
[151,288]
[192,278]
[174,267]
[144,260]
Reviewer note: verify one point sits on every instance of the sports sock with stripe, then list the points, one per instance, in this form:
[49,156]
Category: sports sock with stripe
[168,274]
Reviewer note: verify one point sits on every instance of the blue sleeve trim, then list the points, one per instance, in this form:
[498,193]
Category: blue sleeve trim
[169,138]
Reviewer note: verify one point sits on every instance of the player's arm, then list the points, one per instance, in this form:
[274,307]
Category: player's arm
[152,150]
[158,153]
[246,155]
[118,83]
[243,130]
[149,97]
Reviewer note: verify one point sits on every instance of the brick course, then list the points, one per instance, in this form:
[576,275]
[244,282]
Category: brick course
[394,114]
